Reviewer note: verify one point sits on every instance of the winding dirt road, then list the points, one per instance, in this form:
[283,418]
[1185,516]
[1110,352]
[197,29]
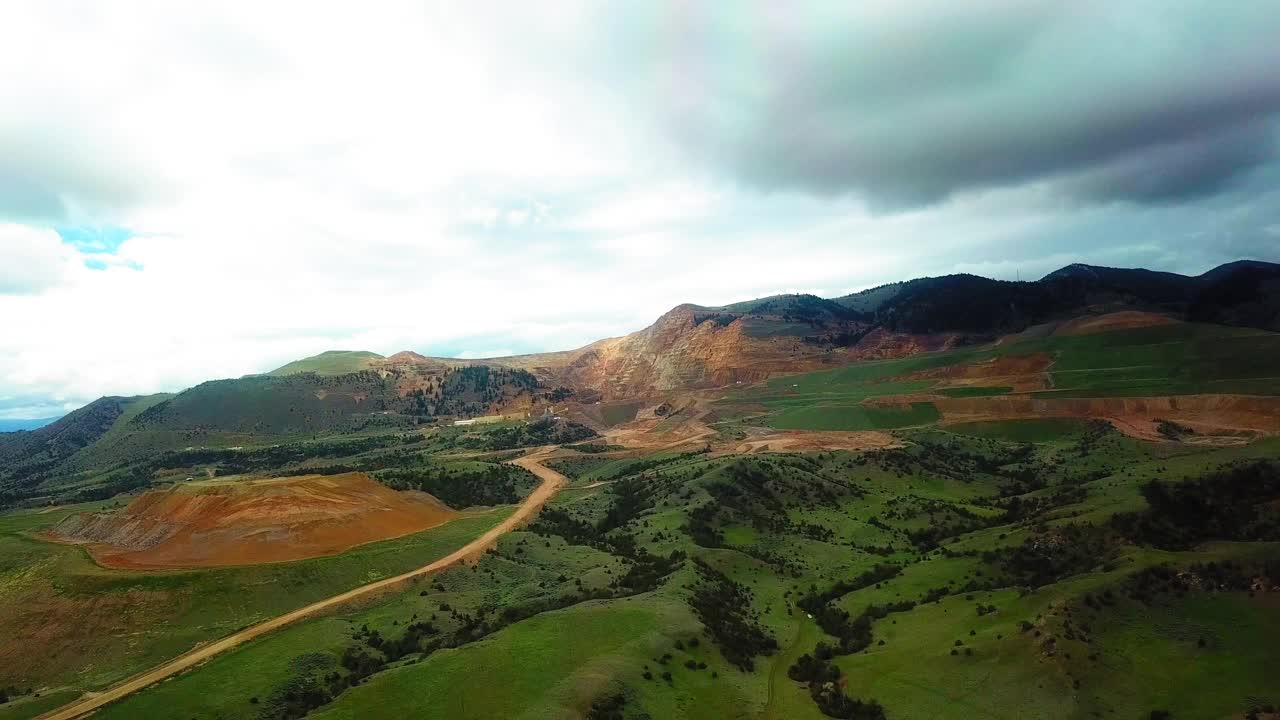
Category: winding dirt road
[552,482]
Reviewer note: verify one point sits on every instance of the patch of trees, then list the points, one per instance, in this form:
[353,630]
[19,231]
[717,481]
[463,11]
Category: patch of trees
[642,466]
[749,494]
[819,672]
[608,708]
[647,571]
[813,600]
[1172,430]
[554,521]
[539,432]
[1233,503]
[630,497]
[559,394]
[1021,508]
[854,635]
[1052,554]
[11,692]
[371,653]
[1096,432]
[854,632]
[702,526]
[724,607]
[823,679]
[1148,584]
[460,488]
[475,389]
[594,448]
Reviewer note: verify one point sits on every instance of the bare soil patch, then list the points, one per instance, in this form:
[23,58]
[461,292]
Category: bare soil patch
[222,523]
[1216,419]
[1021,373]
[1122,320]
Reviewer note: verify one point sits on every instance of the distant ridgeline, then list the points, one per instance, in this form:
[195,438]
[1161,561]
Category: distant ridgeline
[307,402]
[110,442]
[1245,293]
[115,432]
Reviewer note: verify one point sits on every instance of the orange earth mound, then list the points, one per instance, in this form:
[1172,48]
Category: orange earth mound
[1123,320]
[1019,372]
[1216,417]
[221,523]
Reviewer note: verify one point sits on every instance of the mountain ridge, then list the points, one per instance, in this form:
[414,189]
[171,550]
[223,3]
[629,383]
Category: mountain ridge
[1152,286]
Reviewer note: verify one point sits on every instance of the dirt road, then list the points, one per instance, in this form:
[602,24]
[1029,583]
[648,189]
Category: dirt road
[552,482]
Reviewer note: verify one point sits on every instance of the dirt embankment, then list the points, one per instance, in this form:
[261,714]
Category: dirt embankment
[1206,414]
[1122,320]
[552,482]
[1019,372]
[214,524]
[881,344]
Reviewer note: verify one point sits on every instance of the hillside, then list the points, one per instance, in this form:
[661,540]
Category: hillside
[694,346]
[871,507]
[27,456]
[330,362]
[214,524]
[689,349]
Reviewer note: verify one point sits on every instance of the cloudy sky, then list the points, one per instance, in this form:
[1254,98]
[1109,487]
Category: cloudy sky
[196,193]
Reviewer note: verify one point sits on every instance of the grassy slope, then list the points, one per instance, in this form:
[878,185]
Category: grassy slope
[554,664]
[96,626]
[331,362]
[1169,360]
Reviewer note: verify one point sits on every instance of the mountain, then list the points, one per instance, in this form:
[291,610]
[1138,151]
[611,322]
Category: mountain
[695,346]
[330,362]
[1241,293]
[689,348]
[26,455]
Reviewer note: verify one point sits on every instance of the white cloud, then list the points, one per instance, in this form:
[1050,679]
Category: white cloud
[301,177]
[32,259]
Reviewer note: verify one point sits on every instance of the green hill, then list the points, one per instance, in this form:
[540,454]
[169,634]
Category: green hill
[330,362]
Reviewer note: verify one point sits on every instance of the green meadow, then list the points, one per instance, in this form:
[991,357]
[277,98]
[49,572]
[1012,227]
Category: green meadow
[548,625]
[1167,360]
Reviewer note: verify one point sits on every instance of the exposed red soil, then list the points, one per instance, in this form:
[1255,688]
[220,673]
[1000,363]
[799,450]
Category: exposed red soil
[1020,372]
[1220,416]
[552,481]
[1122,320]
[881,344]
[68,627]
[225,523]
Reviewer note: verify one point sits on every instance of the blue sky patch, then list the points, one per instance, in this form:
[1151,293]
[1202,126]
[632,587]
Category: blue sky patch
[97,239]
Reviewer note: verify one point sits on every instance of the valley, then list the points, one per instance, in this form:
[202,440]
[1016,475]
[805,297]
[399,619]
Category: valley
[1059,503]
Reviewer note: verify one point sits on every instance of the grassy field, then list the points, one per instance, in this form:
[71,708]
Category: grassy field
[696,585]
[95,626]
[782,527]
[1032,431]
[332,362]
[857,417]
[1168,360]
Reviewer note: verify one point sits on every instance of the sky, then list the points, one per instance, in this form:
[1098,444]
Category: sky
[201,190]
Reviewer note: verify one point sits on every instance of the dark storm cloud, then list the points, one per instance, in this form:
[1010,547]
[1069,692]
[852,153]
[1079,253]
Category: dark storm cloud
[1117,101]
[1180,170]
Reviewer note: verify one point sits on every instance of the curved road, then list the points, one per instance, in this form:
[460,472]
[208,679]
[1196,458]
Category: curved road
[552,482]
